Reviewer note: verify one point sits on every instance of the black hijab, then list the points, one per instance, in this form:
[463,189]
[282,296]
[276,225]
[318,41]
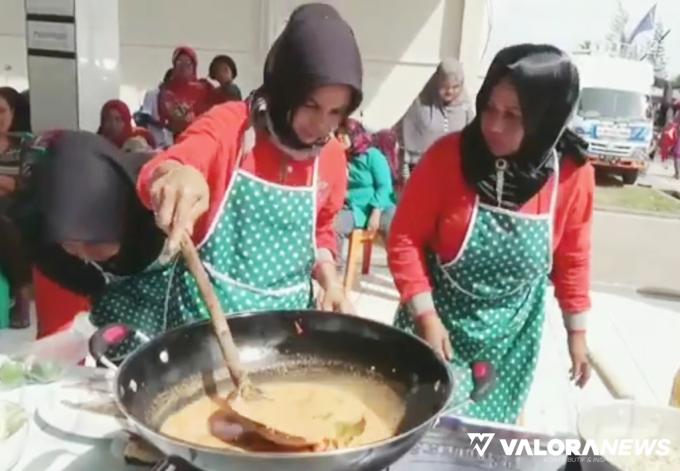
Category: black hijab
[93,210]
[316,48]
[83,190]
[547,84]
[302,13]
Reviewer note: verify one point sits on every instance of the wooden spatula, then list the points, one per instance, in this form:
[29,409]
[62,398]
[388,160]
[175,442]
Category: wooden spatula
[239,376]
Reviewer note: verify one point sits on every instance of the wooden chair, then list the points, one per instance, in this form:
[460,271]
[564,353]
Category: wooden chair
[358,239]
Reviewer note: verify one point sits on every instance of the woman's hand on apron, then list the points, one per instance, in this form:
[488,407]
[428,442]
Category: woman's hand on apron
[580,365]
[180,195]
[334,299]
[431,329]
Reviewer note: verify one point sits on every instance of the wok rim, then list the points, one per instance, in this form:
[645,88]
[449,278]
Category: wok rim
[147,431]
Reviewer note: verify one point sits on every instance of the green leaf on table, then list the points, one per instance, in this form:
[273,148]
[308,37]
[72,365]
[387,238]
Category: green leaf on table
[11,374]
[43,371]
[12,418]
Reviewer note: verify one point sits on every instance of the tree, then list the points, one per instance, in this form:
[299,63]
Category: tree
[617,29]
[676,82]
[585,45]
[656,53]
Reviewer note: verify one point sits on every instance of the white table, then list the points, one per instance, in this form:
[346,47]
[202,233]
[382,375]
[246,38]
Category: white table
[48,449]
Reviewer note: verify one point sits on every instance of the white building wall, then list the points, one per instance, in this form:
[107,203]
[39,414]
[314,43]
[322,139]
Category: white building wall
[401,42]
[13,44]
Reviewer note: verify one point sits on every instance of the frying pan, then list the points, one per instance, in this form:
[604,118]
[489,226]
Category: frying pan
[178,367]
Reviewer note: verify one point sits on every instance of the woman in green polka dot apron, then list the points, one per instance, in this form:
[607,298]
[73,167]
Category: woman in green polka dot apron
[259,253]
[491,300]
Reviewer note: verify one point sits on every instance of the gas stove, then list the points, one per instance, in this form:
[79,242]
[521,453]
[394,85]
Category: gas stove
[447,447]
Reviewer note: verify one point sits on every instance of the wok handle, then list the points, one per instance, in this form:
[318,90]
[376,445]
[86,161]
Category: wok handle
[484,378]
[109,336]
[219,321]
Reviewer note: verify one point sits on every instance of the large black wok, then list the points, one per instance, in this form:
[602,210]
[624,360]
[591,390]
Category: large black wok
[168,372]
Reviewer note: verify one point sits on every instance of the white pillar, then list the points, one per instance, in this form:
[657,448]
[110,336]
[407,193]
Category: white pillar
[73,61]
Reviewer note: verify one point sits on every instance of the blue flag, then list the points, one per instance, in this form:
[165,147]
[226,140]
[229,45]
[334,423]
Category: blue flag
[646,24]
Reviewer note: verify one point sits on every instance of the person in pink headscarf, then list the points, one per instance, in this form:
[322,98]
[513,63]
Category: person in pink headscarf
[184,97]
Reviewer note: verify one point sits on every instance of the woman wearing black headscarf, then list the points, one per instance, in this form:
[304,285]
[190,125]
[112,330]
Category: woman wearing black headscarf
[258,183]
[487,216]
[83,223]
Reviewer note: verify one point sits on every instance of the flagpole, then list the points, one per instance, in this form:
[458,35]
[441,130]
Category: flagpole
[661,39]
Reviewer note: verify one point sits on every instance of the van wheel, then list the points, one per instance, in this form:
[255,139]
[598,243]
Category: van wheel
[630,177]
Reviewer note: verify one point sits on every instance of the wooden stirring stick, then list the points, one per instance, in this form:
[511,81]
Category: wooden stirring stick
[219,322]
[242,385]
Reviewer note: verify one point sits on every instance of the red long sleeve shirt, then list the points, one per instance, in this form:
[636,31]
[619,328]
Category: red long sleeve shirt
[212,145]
[436,209]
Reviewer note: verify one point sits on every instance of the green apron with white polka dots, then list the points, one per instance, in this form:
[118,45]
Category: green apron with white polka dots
[259,253]
[491,299]
[139,301]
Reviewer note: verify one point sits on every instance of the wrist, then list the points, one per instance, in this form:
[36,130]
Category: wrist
[426,318]
[333,285]
[575,322]
[572,334]
[426,315]
[328,280]
[164,168]
[421,303]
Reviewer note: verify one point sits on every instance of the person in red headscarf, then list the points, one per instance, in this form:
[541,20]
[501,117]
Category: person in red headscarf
[184,97]
[115,122]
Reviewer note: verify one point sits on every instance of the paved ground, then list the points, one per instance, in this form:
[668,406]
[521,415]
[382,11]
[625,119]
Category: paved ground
[636,251]
[660,175]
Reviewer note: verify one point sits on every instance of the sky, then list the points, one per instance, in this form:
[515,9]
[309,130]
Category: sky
[567,23]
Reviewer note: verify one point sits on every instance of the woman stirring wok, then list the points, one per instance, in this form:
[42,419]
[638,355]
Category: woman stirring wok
[258,183]
[487,216]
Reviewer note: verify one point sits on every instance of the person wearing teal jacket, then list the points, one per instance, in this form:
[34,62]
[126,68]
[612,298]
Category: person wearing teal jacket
[370,202]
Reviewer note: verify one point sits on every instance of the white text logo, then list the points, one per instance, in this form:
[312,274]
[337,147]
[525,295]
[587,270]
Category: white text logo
[559,447]
[480,441]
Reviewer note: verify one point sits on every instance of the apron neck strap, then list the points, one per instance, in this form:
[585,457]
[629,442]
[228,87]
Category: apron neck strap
[556,183]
